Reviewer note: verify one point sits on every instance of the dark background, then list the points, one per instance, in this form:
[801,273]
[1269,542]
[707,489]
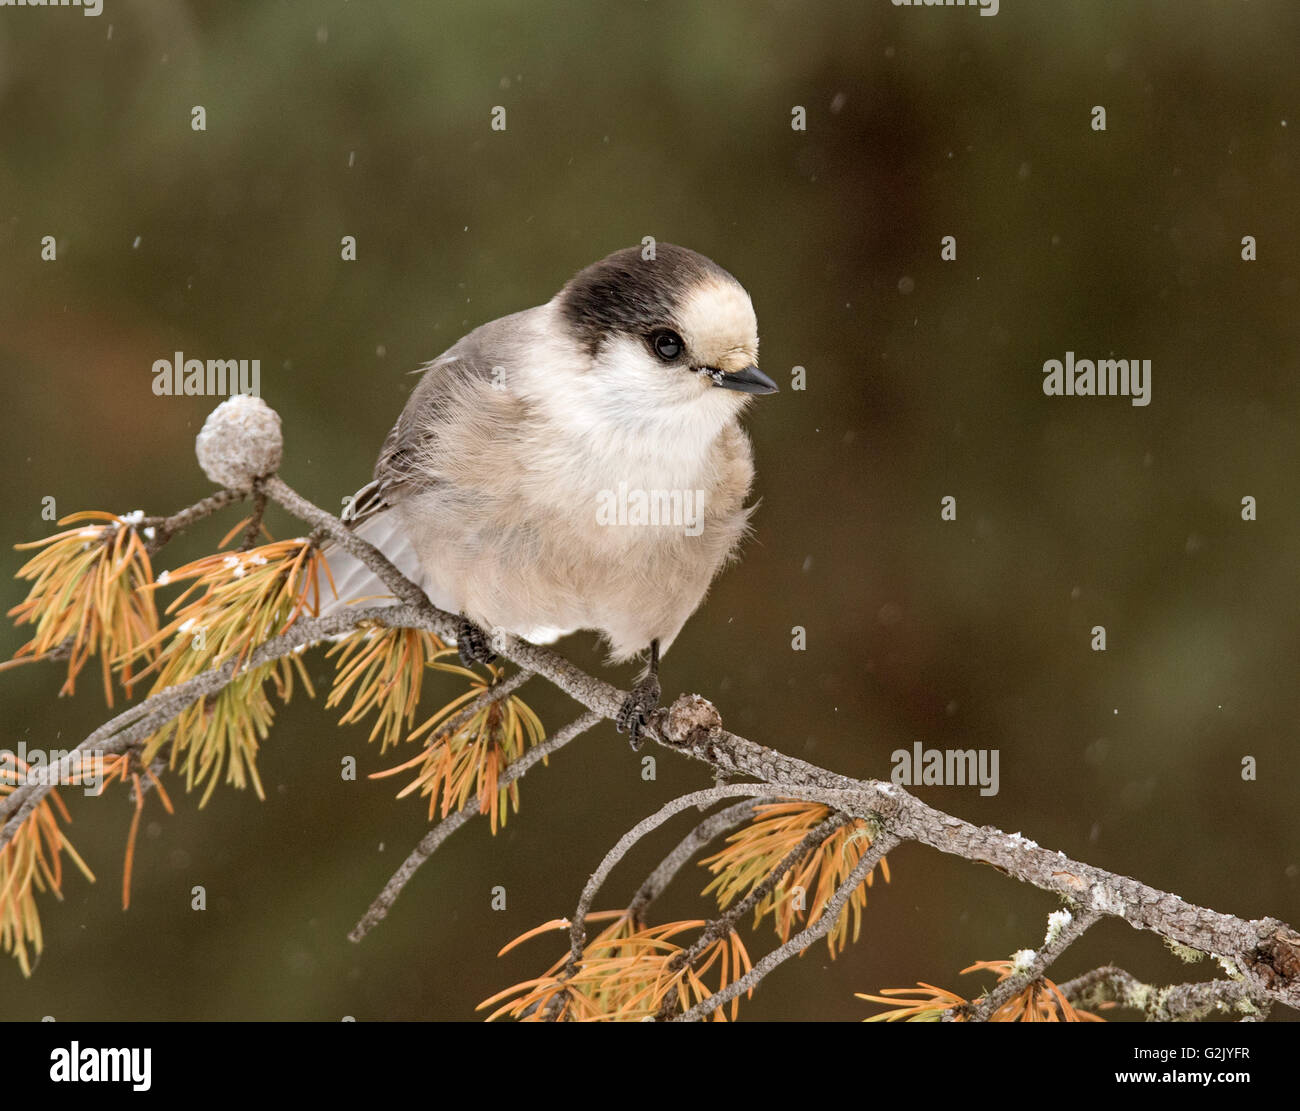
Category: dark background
[673,120]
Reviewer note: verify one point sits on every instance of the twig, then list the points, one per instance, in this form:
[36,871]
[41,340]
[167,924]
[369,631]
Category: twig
[883,844]
[726,922]
[985,1008]
[167,527]
[1176,1003]
[255,521]
[687,847]
[706,797]
[435,837]
[494,693]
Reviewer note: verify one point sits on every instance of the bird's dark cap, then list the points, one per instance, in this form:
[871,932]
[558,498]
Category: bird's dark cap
[628,293]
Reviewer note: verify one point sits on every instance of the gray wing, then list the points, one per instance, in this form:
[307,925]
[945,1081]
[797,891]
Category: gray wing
[474,357]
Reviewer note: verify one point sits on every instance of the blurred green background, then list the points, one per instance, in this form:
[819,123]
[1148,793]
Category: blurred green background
[924,380]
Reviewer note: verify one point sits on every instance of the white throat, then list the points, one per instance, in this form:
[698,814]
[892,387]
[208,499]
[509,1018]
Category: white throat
[653,423]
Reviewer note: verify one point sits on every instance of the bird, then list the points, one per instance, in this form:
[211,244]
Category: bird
[579,465]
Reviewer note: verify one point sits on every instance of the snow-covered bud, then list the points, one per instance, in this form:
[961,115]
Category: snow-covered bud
[240,442]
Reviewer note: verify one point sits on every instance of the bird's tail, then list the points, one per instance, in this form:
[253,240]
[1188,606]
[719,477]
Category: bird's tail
[355,585]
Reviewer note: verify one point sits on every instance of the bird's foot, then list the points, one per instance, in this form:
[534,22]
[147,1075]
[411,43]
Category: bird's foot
[637,707]
[472,644]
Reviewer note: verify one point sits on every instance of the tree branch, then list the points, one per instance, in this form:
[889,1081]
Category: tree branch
[1265,952]
[136,723]
[1177,1003]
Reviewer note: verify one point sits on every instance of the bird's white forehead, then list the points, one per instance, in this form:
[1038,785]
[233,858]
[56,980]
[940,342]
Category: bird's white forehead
[718,323]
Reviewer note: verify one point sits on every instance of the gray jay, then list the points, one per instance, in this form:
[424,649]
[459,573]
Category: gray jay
[578,465]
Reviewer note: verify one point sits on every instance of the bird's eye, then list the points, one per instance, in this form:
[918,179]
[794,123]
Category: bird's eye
[667,344]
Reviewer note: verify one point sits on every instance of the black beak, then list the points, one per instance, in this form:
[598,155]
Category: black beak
[749,380]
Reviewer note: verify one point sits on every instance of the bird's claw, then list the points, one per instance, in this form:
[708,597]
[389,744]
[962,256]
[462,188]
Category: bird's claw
[634,714]
[472,644]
